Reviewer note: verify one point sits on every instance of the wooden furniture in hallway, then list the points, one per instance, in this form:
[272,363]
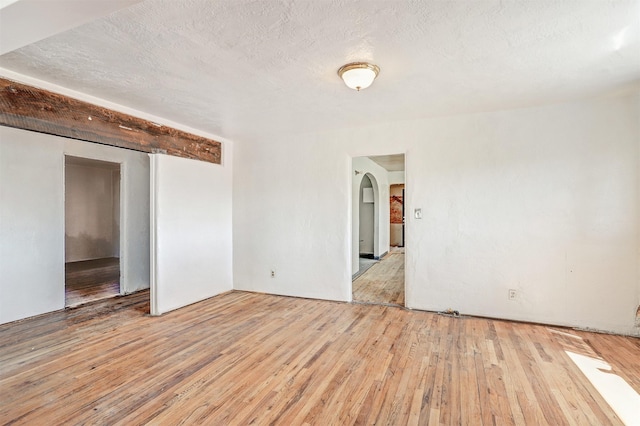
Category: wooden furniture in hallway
[242,358]
[90,280]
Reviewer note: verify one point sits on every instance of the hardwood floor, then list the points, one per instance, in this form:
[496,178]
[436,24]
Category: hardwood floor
[382,283]
[364,265]
[90,280]
[243,358]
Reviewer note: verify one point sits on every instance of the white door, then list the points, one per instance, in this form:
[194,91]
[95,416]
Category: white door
[191,247]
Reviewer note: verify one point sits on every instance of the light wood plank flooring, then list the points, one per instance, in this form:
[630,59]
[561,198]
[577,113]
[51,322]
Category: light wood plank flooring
[90,280]
[364,264]
[243,358]
[382,283]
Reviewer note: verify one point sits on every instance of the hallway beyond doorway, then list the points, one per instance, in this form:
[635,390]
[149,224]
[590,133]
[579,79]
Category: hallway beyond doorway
[91,280]
[383,283]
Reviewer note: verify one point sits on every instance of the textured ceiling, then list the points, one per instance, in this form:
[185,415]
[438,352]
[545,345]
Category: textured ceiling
[236,67]
[392,163]
[23,22]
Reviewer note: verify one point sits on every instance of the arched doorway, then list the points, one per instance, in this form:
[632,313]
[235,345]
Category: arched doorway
[369,226]
[366,248]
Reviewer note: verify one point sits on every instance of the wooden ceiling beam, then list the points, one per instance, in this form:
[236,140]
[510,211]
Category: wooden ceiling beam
[30,108]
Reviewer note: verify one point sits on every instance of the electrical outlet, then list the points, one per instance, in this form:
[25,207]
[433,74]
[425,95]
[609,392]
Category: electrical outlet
[513,294]
[273,273]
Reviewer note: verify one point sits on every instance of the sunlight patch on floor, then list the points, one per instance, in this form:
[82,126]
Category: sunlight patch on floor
[622,398]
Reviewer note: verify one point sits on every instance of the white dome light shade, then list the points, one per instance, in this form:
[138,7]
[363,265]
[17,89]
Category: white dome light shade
[358,75]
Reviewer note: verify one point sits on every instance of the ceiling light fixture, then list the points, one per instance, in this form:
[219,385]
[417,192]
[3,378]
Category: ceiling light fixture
[358,75]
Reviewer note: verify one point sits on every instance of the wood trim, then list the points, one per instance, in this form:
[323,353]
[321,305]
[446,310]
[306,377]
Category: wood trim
[39,110]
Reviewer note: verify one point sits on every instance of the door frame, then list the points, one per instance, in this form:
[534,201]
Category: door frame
[406,223]
[121,216]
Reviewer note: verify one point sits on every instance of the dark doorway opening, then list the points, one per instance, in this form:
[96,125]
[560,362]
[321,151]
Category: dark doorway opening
[92,230]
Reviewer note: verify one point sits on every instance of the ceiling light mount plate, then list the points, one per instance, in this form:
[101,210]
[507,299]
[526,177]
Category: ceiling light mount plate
[358,75]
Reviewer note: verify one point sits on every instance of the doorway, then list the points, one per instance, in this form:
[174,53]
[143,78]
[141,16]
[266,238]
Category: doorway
[368,223]
[378,229]
[92,230]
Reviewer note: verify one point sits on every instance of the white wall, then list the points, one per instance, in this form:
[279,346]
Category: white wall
[637,120]
[395,178]
[31,224]
[191,230]
[91,202]
[544,200]
[32,250]
[284,218]
[115,229]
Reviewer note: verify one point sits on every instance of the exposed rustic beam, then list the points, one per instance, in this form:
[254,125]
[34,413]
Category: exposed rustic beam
[30,108]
